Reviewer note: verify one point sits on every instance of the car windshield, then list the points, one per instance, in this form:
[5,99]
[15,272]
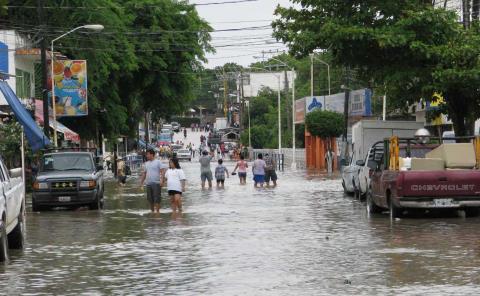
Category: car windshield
[66,162]
[184,151]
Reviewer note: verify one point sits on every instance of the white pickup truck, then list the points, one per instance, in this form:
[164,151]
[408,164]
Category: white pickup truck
[12,210]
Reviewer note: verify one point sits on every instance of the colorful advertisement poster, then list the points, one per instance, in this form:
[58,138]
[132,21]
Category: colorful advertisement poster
[70,78]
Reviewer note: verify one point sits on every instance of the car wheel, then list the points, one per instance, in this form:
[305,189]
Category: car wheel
[372,208]
[16,238]
[97,204]
[36,207]
[3,245]
[395,212]
[189,159]
[356,192]
[472,212]
[344,188]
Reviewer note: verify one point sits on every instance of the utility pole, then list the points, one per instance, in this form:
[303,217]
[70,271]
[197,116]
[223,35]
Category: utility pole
[287,106]
[43,54]
[241,110]
[347,102]
[225,93]
[147,131]
[466,13]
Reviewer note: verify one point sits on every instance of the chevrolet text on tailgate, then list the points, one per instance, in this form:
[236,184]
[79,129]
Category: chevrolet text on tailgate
[413,175]
[68,179]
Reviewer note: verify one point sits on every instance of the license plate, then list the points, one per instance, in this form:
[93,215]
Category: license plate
[444,203]
[64,198]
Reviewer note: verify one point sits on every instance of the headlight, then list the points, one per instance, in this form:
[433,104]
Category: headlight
[88,184]
[40,185]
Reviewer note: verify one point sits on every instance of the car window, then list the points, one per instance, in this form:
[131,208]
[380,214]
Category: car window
[65,162]
[2,176]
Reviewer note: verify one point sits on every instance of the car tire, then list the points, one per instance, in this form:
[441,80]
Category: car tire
[472,212]
[395,212]
[190,159]
[372,208]
[3,244]
[97,204]
[356,192]
[344,188]
[36,208]
[16,238]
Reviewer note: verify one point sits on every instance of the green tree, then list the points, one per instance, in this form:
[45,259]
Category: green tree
[409,48]
[324,124]
[146,59]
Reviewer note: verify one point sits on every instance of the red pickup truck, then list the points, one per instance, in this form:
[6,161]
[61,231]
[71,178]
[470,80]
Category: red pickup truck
[416,176]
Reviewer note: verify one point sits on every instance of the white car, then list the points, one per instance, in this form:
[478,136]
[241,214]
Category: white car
[368,166]
[350,176]
[184,154]
[12,211]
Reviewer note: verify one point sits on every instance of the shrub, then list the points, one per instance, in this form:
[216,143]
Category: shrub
[324,124]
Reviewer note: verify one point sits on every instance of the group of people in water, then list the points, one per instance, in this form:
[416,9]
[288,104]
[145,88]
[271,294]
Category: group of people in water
[157,175]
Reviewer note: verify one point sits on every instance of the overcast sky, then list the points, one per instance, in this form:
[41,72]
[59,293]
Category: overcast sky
[240,46]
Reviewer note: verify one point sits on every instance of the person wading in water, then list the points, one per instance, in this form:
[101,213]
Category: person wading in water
[153,174]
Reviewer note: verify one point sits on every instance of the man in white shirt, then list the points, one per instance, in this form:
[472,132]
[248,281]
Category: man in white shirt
[153,174]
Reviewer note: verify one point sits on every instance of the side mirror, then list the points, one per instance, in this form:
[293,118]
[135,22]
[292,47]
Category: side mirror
[360,162]
[99,167]
[16,173]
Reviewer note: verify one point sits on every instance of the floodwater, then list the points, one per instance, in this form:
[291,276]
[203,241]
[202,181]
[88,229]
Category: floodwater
[302,238]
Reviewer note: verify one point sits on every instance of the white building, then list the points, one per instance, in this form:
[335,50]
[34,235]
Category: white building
[254,81]
[18,60]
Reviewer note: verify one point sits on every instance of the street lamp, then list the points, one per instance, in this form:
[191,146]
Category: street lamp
[312,57]
[294,163]
[93,27]
[279,104]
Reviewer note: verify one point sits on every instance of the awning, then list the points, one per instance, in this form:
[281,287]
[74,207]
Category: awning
[67,133]
[34,134]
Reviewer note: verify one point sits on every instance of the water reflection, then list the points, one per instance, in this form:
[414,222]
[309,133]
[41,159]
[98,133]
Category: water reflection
[302,238]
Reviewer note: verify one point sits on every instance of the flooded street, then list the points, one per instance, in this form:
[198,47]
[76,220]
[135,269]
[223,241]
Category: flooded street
[303,238]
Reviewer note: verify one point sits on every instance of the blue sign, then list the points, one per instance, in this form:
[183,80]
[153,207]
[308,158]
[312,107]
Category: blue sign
[4,59]
[314,105]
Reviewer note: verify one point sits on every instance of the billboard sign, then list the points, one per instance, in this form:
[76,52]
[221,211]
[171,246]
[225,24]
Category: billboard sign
[360,103]
[70,78]
[314,103]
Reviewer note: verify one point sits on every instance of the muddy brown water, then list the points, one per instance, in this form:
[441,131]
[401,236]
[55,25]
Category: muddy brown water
[302,238]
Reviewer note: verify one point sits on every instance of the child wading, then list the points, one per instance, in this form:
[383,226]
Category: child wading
[220,172]
[175,184]
[242,166]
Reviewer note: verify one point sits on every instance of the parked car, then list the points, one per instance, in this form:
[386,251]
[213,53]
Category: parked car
[175,127]
[165,138]
[350,177]
[12,211]
[167,126]
[367,166]
[184,154]
[68,178]
[417,176]
[176,147]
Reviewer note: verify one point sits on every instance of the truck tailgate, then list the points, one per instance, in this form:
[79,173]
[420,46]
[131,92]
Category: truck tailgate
[439,183]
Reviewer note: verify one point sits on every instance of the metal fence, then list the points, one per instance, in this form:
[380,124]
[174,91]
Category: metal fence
[278,158]
[286,156]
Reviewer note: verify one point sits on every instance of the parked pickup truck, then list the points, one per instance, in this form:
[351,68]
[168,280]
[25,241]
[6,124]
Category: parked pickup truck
[417,176]
[66,179]
[12,210]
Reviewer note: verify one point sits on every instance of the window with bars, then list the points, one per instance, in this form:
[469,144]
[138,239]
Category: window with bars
[23,84]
